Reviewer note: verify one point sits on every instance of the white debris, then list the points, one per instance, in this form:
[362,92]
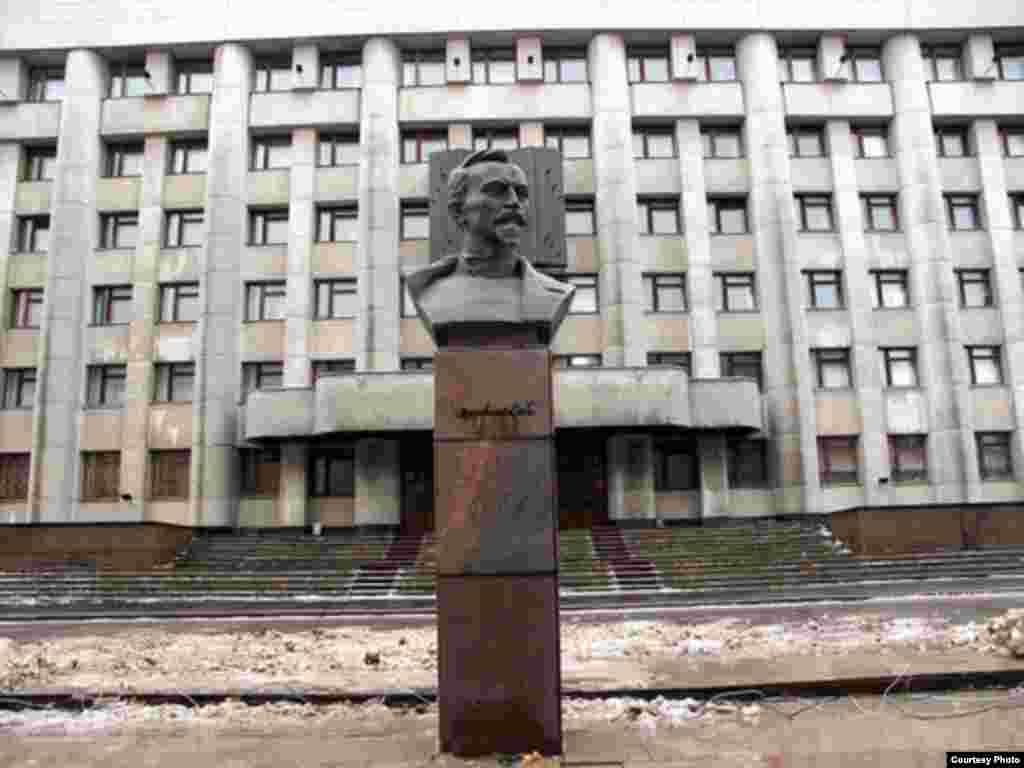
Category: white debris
[604,649]
[1006,633]
[698,647]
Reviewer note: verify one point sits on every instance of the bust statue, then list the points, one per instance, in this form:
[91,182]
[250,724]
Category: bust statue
[488,284]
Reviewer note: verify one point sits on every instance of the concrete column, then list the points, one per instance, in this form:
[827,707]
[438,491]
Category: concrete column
[621,283]
[683,52]
[9,158]
[867,377]
[458,63]
[215,469]
[74,234]
[831,49]
[529,60]
[292,498]
[699,278]
[162,75]
[979,57]
[377,328]
[942,363]
[631,477]
[306,56]
[1007,278]
[378,486]
[788,381]
[714,481]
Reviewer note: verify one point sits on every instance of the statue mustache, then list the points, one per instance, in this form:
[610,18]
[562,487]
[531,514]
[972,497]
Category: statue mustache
[510,216]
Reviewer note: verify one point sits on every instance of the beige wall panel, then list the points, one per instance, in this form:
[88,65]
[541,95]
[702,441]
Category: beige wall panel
[101,430]
[416,342]
[16,431]
[578,176]
[894,327]
[184,190]
[302,108]
[170,512]
[825,100]
[682,99]
[268,187]
[733,253]
[178,264]
[119,193]
[1000,491]
[112,265]
[993,409]
[413,253]
[170,114]
[413,180]
[837,414]
[257,513]
[662,254]
[340,183]
[20,348]
[26,270]
[111,511]
[581,255]
[334,259]
[835,498]
[811,174]
[970,98]
[458,103]
[908,494]
[668,332]
[906,411]
[748,503]
[107,343]
[657,176]
[677,505]
[579,335]
[821,251]
[175,342]
[959,174]
[30,120]
[740,332]
[727,175]
[170,426]
[265,260]
[263,340]
[982,325]
[332,338]
[877,174]
[33,197]
[333,512]
[971,249]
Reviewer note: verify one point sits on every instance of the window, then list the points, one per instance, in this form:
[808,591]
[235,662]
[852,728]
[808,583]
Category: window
[341,71]
[418,146]
[174,382]
[727,215]
[128,80]
[975,288]
[179,302]
[39,163]
[815,212]
[26,307]
[335,299]
[952,141]
[866,64]
[168,474]
[124,160]
[338,149]
[46,85]
[943,63]
[119,230]
[1017,209]
[337,224]
[322,368]
[833,368]
[806,141]
[675,359]
[995,457]
[265,301]
[495,138]
[986,365]
[189,157]
[415,220]
[651,142]
[825,289]
[260,470]
[408,307]
[14,470]
[658,216]
[195,76]
[880,213]
[268,226]
[576,361]
[101,475]
[112,305]
[33,234]
[716,65]
[423,68]
[1013,142]
[565,66]
[105,386]
[963,212]
[272,75]
[19,388]
[647,65]
[736,292]
[870,141]
[900,367]
[675,465]
[748,462]
[891,288]
[579,217]
[908,458]
[184,229]
[721,142]
[584,300]
[417,363]
[665,293]
[261,376]
[837,460]
[496,66]
[1011,61]
[745,364]
[797,65]
[572,142]
[332,470]
[271,152]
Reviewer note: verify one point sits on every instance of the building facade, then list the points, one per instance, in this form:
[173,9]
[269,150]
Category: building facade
[797,242]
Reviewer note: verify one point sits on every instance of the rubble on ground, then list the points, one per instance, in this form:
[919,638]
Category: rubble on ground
[1006,633]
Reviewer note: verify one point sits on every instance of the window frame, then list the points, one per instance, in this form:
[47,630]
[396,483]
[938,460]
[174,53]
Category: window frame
[107,299]
[810,201]
[112,226]
[34,166]
[720,203]
[335,288]
[482,61]
[894,356]
[823,278]
[1016,133]
[558,55]
[19,388]
[942,132]
[187,71]
[861,55]
[177,291]
[881,280]
[28,233]
[335,141]
[705,69]
[334,457]
[899,443]
[100,476]
[826,474]
[1000,441]
[967,278]
[682,360]
[858,133]
[264,71]
[39,80]
[122,74]
[188,151]
[872,202]
[580,205]
[963,201]
[261,152]
[711,135]
[115,156]
[735,362]
[737,460]
[664,451]
[419,138]
[557,135]
[644,133]
[175,224]
[333,214]
[637,58]
[744,280]
[260,218]
[167,382]
[416,363]
[798,53]
[418,210]
[164,479]
[335,67]
[837,357]
[936,53]
[413,61]
[14,473]
[485,136]
[256,372]
[22,302]
[321,368]
[647,207]
[99,380]
[586,281]
[655,282]
[257,292]
[794,133]
[1014,52]
[1017,209]
[254,483]
[980,353]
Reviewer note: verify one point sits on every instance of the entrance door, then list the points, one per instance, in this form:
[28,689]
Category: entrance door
[417,485]
[582,488]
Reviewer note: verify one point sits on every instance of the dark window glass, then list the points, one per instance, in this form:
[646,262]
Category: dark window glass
[665,293]
[675,465]
[322,368]
[101,475]
[39,163]
[995,456]
[332,470]
[174,382]
[261,470]
[169,473]
[736,292]
[908,458]
[837,459]
[26,308]
[33,234]
[112,305]
[745,364]
[335,299]
[265,301]
[417,363]
[179,303]
[14,470]
[748,462]
[727,215]
[675,359]
[19,388]
[105,386]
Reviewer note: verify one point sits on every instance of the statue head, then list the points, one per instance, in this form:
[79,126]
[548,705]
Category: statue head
[487,198]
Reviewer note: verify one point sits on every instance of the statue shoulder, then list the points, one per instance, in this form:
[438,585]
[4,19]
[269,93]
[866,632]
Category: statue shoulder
[418,279]
[549,283]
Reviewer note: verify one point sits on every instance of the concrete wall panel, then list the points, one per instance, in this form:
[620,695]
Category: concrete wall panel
[332,338]
[677,505]
[263,340]
[959,174]
[414,180]
[660,253]
[262,261]
[30,121]
[733,253]
[170,426]
[293,109]
[681,99]
[27,270]
[416,342]
[837,413]
[168,114]
[906,411]
[657,177]
[849,100]
[120,193]
[727,176]
[993,409]
[335,184]
[33,197]
[971,98]
[981,326]
[741,332]
[334,259]
[101,430]
[184,190]
[579,334]
[458,103]
[20,349]
[16,431]
[268,187]
[175,342]
[581,255]
[334,512]
[877,174]
[811,174]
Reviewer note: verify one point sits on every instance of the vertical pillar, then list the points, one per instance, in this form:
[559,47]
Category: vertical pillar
[714,481]
[631,477]
[620,286]
[377,327]
[952,466]
[74,227]
[378,494]
[218,367]
[9,159]
[787,375]
[867,372]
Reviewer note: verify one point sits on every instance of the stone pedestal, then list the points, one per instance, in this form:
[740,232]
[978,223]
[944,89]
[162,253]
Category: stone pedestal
[497,530]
